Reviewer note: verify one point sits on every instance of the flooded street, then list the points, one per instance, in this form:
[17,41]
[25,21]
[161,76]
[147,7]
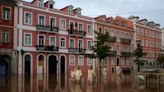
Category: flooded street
[126,83]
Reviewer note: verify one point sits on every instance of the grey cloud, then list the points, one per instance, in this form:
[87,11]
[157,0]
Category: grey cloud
[150,9]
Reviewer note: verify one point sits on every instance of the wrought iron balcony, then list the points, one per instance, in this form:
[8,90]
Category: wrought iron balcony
[77,50]
[76,33]
[52,48]
[126,40]
[112,53]
[44,28]
[81,33]
[72,32]
[125,54]
[81,50]
[112,39]
[46,48]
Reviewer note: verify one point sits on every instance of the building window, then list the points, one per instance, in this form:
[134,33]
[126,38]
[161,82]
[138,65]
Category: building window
[127,48]
[127,35]
[127,62]
[40,4]
[72,43]
[53,22]
[80,27]
[62,43]
[99,31]
[6,14]
[41,20]
[28,18]
[62,24]
[123,48]
[112,61]
[122,34]
[89,61]
[52,41]
[41,40]
[89,29]
[5,36]
[80,44]
[112,47]
[117,34]
[70,10]
[28,40]
[89,45]
[80,60]
[71,25]
[117,48]
[71,60]
[122,62]
[112,33]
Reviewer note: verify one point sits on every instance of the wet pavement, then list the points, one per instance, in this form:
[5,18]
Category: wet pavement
[125,83]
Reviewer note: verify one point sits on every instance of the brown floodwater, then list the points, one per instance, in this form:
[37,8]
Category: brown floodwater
[43,83]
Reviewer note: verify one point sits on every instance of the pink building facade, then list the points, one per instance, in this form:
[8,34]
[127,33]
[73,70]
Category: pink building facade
[150,35]
[121,41]
[52,41]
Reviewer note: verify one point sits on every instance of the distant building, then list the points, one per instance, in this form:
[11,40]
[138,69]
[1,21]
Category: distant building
[150,35]
[162,38]
[121,41]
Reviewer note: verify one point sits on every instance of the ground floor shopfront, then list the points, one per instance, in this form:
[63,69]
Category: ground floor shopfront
[61,64]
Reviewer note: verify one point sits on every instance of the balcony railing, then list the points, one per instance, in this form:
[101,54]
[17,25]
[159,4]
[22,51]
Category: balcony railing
[125,54]
[46,48]
[112,53]
[75,32]
[112,39]
[47,28]
[125,40]
[77,50]
[81,33]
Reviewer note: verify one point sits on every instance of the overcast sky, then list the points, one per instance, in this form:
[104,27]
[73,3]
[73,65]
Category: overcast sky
[153,10]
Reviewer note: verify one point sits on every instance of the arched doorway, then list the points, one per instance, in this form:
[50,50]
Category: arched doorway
[27,65]
[52,66]
[52,70]
[5,65]
[118,61]
[41,64]
[62,71]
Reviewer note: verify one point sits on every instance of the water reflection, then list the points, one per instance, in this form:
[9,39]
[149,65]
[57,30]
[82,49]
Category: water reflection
[40,83]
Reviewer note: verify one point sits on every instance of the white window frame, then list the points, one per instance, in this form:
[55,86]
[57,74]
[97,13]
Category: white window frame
[9,13]
[6,31]
[50,21]
[80,64]
[44,39]
[73,23]
[70,10]
[82,26]
[71,61]
[25,39]
[61,25]
[122,61]
[50,40]
[25,17]
[89,60]
[112,61]
[64,40]
[82,43]
[40,3]
[44,19]
[88,43]
[88,28]
[70,42]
